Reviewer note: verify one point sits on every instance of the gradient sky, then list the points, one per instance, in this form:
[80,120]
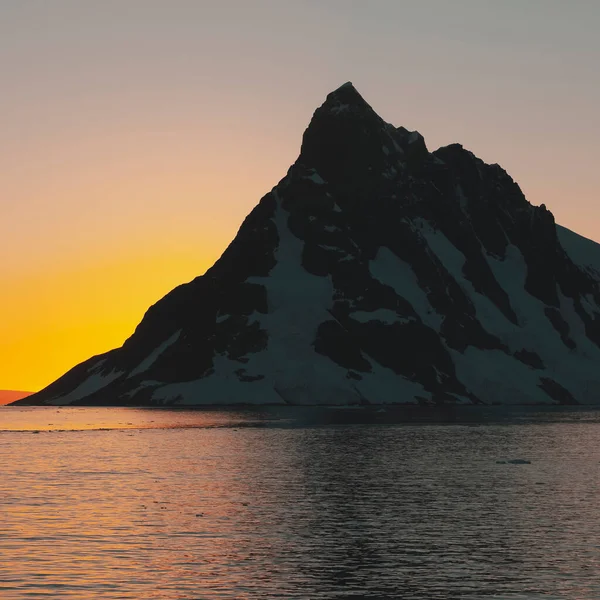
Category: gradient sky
[137,134]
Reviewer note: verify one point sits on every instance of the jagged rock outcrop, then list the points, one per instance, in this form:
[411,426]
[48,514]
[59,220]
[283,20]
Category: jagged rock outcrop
[374,272]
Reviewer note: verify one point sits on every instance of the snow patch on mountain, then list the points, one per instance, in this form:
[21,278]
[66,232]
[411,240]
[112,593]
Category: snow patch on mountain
[94,382]
[288,370]
[497,377]
[151,359]
[384,315]
[582,251]
[383,386]
[316,178]
[399,275]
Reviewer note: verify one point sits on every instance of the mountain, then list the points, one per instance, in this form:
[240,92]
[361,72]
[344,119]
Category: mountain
[374,272]
[8,396]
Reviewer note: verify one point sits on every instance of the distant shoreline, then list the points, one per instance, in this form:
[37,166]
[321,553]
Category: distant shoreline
[8,396]
[392,406]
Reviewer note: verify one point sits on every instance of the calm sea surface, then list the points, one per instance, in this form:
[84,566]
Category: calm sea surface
[299,503]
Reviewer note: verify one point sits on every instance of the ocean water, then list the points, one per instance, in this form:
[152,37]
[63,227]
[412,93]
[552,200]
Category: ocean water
[299,503]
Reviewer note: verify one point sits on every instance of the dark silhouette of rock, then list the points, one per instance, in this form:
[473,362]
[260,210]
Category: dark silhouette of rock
[374,272]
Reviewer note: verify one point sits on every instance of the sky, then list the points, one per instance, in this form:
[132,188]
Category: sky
[137,134]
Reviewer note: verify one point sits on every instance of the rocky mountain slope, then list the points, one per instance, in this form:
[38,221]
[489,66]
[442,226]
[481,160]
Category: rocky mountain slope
[374,272]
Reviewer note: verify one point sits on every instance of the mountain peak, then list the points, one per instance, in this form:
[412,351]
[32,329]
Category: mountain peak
[346,85]
[374,273]
[345,102]
[344,99]
[346,138]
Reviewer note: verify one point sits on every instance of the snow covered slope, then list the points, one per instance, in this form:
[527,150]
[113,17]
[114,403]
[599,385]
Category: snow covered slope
[374,272]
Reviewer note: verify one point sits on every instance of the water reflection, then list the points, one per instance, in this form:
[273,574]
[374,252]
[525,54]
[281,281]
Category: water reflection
[73,418]
[271,504]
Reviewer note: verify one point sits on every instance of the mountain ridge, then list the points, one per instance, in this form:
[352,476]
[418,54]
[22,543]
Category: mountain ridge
[374,272]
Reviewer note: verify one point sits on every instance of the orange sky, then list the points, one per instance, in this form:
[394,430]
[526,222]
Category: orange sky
[6,397]
[136,136]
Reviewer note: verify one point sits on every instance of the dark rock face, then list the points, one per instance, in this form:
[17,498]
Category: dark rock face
[374,272]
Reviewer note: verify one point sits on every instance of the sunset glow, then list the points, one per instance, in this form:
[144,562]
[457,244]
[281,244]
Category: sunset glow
[138,135]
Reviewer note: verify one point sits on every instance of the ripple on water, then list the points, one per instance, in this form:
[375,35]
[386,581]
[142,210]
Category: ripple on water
[216,509]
